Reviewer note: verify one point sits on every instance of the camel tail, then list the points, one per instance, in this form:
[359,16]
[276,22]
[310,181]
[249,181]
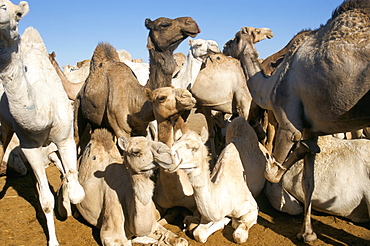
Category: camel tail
[104,52]
[31,39]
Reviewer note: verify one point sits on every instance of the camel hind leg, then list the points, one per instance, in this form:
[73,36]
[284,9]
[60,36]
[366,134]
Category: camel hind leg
[6,135]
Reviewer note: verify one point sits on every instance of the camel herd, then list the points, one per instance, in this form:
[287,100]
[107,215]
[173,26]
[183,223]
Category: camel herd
[118,130]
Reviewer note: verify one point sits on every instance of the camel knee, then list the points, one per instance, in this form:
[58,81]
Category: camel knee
[200,234]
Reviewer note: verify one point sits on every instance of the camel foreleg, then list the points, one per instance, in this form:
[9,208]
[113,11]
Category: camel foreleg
[307,234]
[205,229]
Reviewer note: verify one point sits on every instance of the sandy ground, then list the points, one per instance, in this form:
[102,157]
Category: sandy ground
[22,222]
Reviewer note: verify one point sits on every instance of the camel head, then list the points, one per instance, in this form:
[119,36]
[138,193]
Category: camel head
[10,14]
[201,47]
[235,47]
[189,152]
[166,34]
[141,154]
[258,34]
[171,102]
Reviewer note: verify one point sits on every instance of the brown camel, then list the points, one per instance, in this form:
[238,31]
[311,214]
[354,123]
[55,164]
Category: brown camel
[322,87]
[164,37]
[71,88]
[112,98]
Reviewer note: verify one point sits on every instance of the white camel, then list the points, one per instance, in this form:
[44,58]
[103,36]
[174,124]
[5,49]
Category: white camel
[119,192]
[36,106]
[199,49]
[228,190]
[342,181]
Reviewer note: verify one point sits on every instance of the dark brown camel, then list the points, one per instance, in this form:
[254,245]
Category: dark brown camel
[165,35]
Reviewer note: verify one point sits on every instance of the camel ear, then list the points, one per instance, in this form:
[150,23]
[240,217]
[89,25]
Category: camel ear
[53,55]
[190,41]
[204,134]
[148,23]
[122,142]
[149,94]
[245,30]
[24,8]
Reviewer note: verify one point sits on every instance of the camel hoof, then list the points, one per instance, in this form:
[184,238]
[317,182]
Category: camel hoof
[200,235]
[240,236]
[307,237]
[274,172]
[76,192]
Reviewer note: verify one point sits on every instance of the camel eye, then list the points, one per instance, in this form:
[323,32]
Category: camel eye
[94,158]
[162,98]
[165,25]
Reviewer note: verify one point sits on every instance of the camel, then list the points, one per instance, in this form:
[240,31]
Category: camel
[165,35]
[199,49]
[71,88]
[341,181]
[317,90]
[230,179]
[112,98]
[119,191]
[36,107]
[221,86]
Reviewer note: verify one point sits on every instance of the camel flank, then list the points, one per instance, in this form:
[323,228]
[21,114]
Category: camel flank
[119,192]
[304,92]
[36,108]
[165,35]
[342,178]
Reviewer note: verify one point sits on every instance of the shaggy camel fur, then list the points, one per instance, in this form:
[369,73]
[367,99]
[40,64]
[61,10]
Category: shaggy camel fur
[242,156]
[36,107]
[321,87]
[165,35]
[199,49]
[119,192]
[113,98]
[342,178]
[221,86]
[71,88]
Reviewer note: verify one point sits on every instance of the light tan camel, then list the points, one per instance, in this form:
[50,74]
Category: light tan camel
[71,88]
[36,106]
[165,35]
[342,181]
[119,192]
[221,86]
[322,87]
[239,167]
[112,98]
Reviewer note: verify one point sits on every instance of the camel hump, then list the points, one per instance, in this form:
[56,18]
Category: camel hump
[31,39]
[104,52]
[349,5]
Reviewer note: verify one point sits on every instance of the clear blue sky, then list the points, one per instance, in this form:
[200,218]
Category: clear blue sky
[73,28]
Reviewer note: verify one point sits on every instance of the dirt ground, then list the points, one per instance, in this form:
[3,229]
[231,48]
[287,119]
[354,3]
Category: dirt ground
[22,222]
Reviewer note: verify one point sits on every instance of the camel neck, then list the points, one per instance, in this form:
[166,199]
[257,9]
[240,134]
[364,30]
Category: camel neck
[259,86]
[161,67]
[188,73]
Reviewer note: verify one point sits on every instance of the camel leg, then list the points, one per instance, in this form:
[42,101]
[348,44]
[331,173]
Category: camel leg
[67,150]
[6,135]
[211,138]
[166,237]
[37,162]
[307,234]
[205,229]
[243,224]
